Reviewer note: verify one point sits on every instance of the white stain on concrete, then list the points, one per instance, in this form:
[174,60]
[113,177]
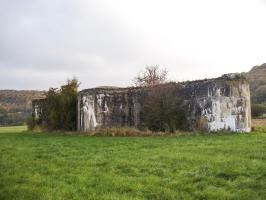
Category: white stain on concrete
[89,118]
[100,99]
[220,117]
[225,112]
[37,111]
[106,109]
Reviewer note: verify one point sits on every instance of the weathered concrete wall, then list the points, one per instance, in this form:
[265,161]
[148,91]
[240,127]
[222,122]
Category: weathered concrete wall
[214,104]
[101,107]
[219,104]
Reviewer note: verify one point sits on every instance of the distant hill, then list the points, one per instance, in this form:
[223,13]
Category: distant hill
[257,78]
[15,105]
[257,73]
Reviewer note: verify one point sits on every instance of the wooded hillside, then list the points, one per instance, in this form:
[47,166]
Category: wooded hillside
[15,105]
[257,78]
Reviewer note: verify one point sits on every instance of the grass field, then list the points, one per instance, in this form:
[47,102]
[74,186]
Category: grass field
[56,166]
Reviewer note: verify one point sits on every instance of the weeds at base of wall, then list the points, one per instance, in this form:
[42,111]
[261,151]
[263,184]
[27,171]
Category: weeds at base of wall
[127,132]
[43,129]
[123,131]
[36,128]
[260,129]
[134,132]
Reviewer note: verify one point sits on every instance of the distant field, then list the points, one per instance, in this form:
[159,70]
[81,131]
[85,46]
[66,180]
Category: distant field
[13,129]
[56,166]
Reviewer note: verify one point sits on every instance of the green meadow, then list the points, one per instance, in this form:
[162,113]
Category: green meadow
[201,166]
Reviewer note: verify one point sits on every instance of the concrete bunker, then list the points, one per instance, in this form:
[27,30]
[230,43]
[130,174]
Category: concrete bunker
[214,104]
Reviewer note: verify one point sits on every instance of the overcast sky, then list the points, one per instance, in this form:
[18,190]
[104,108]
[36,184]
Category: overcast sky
[107,42]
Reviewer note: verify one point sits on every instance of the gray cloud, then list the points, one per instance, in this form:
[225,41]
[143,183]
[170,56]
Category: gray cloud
[52,36]
[42,43]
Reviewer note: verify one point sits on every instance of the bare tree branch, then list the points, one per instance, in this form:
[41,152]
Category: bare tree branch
[151,76]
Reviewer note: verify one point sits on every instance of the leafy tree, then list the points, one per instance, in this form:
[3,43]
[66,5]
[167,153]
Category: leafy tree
[259,95]
[3,116]
[59,109]
[163,110]
[53,110]
[152,76]
[258,110]
[69,100]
